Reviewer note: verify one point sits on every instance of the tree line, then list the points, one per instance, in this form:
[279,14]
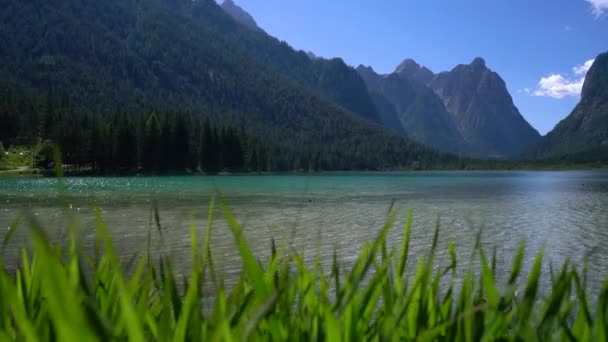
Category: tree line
[165,141]
[153,142]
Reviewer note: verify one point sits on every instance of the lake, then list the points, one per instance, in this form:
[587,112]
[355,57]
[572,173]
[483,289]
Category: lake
[564,212]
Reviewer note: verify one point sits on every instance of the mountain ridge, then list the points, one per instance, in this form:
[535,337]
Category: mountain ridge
[330,78]
[465,110]
[483,110]
[420,113]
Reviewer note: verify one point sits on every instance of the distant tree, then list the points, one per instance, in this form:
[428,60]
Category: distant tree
[314,164]
[181,142]
[95,145]
[194,149]
[165,148]
[45,154]
[151,145]
[262,158]
[2,151]
[206,147]
[268,160]
[232,151]
[50,118]
[126,146]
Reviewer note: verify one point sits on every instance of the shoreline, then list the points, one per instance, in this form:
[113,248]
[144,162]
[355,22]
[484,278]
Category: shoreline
[42,173]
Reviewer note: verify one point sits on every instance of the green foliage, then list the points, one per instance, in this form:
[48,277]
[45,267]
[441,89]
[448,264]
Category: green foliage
[15,157]
[62,293]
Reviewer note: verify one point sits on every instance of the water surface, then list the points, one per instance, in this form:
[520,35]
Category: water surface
[564,212]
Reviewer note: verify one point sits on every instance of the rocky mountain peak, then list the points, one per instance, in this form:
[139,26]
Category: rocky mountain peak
[407,64]
[479,63]
[365,69]
[479,102]
[411,70]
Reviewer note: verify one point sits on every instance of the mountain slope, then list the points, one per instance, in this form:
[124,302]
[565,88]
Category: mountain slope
[332,79]
[483,110]
[240,15]
[134,55]
[419,111]
[586,128]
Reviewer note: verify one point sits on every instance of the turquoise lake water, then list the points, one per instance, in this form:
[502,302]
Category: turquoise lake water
[564,212]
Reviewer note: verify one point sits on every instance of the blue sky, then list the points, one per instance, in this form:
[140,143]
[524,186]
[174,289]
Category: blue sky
[525,41]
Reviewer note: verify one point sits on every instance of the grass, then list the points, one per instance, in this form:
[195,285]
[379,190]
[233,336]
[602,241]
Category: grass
[59,292]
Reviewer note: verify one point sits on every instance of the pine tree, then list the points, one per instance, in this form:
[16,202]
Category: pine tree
[315,156]
[253,159]
[50,119]
[165,149]
[206,146]
[181,143]
[126,146]
[2,152]
[151,146]
[194,143]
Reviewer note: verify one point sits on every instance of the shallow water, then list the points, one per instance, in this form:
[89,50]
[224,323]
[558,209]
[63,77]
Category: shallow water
[564,212]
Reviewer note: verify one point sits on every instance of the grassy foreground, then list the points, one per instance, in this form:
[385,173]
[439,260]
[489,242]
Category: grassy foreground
[61,293]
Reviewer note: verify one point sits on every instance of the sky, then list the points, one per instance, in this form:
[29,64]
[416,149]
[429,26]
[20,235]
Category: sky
[540,48]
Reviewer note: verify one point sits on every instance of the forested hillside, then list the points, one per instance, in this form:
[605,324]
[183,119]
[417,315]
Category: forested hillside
[332,78]
[99,59]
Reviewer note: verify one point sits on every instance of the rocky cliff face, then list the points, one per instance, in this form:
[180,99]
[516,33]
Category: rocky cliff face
[586,128]
[418,110]
[483,111]
[466,110]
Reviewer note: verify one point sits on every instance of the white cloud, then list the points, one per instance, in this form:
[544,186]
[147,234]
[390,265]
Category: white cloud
[524,90]
[599,6]
[583,68]
[558,86]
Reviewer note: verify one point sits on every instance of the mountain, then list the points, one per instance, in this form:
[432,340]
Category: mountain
[138,56]
[586,128]
[483,110]
[329,78]
[466,110]
[409,69]
[240,15]
[414,108]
